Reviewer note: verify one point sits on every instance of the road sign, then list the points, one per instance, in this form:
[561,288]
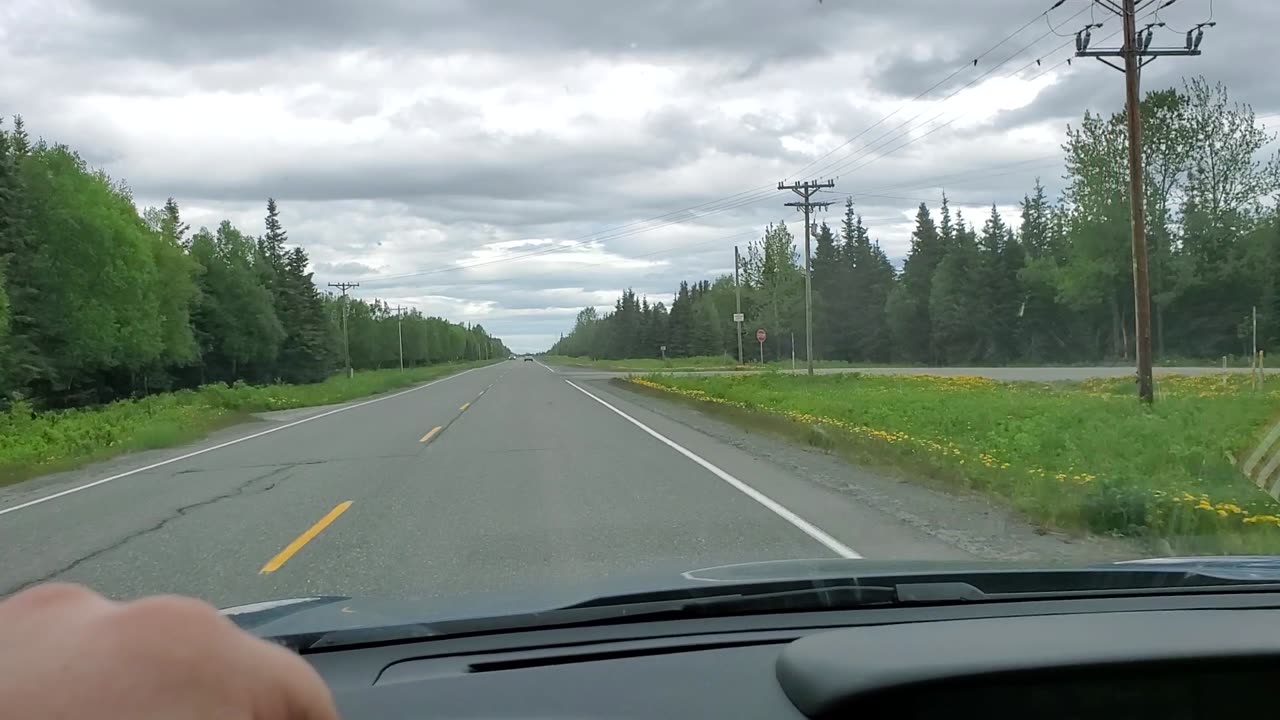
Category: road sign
[760,336]
[663,348]
[739,317]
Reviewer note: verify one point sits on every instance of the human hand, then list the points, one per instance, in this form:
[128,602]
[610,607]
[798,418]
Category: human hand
[68,652]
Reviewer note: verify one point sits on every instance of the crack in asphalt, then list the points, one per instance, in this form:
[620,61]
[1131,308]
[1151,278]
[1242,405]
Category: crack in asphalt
[300,463]
[190,471]
[241,490]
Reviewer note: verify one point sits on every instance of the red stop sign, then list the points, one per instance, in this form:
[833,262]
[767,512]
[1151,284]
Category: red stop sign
[760,335]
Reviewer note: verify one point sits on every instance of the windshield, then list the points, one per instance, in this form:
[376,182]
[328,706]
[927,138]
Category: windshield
[460,309]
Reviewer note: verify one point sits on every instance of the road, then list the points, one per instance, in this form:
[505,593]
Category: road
[500,478]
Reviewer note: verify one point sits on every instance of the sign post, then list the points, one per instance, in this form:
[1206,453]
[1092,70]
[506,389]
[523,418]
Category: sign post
[760,336]
[663,348]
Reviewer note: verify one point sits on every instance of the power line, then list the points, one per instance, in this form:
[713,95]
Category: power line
[943,179]
[742,198]
[834,168]
[1037,61]
[1066,60]
[877,194]
[755,194]
[1054,30]
[967,64]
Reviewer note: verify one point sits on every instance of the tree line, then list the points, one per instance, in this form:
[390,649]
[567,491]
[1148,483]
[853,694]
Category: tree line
[99,301]
[1059,289]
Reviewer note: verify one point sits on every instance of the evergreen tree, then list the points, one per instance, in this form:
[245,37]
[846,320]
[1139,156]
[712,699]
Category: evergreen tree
[998,297]
[309,349]
[871,281]
[912,308]
[830,313]
[954,309]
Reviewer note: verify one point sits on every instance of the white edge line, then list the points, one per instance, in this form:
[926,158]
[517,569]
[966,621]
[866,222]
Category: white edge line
[546,367]
[805,526]
[229,443]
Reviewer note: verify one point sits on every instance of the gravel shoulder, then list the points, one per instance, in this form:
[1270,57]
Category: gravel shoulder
[968,521]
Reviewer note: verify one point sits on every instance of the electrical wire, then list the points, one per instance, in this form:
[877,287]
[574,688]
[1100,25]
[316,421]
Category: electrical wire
[832,169]
[967,64]
[843,167]
[1054,30]
[745,197]
[1176,30]
[939,180]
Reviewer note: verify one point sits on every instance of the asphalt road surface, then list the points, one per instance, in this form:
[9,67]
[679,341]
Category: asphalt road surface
[503,478]
[499,478]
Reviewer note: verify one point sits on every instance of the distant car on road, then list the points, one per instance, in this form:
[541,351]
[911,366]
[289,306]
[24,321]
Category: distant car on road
[528,358]
[513,357]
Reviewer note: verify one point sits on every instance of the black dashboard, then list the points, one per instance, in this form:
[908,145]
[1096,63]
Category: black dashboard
[1167,657]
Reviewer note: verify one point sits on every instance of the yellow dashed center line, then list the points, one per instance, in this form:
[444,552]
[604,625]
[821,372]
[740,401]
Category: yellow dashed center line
[430,434]
[292,548]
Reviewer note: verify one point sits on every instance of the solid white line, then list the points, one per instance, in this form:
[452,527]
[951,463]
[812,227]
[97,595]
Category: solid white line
[540,363]
[229,443]
[805,526]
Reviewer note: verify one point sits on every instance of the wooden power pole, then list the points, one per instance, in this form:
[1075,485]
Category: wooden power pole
[806,191]
[346,342]
[1136,52]
[400,333]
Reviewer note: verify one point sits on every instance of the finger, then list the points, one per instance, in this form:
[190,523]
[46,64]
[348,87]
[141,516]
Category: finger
[296,688]
[48,597]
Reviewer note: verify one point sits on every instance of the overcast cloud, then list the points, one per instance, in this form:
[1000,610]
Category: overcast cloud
[491,161]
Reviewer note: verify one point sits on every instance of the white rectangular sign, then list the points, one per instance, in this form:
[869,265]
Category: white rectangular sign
[739,317]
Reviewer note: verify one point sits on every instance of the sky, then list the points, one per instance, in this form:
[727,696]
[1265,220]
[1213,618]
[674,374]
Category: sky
[509,162]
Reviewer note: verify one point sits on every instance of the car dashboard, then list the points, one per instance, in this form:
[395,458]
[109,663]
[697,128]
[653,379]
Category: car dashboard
[1166,657]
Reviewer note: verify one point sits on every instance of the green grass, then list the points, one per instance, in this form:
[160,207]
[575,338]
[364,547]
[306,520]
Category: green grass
[1079,456]
[35,443]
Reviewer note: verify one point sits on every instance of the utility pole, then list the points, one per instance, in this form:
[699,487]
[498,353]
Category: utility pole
[400,334]
[737,290]
[806,191]
[346,342]
[1137,52]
